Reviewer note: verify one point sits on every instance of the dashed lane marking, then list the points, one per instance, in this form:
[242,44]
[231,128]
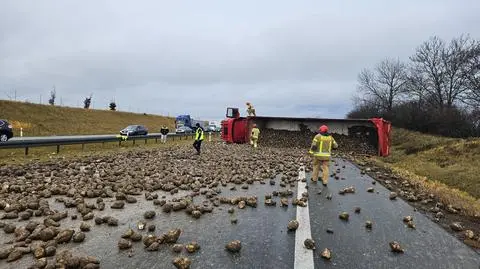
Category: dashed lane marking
[303,256]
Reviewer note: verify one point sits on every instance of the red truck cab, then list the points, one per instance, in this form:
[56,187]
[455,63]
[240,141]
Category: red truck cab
[234,128]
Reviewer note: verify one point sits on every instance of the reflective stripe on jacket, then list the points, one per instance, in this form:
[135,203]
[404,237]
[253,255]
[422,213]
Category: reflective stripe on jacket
[255,132]
[322,145]
[199,134]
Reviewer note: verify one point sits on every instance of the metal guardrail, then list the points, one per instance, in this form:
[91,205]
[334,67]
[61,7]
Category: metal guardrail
[72,140]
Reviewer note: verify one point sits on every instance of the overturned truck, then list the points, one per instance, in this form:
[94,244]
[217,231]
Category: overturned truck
[359,136]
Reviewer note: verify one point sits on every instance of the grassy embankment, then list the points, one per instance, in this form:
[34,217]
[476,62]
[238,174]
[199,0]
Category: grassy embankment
[446,167]
[44,120]
[41,120]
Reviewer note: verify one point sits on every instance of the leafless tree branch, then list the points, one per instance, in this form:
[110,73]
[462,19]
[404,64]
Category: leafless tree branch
[384,84]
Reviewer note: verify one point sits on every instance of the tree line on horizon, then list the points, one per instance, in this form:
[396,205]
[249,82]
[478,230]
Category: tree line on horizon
[86,102]
[436,91]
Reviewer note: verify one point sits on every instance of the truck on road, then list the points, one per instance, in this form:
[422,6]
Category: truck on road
[237,129]
[188,121]
[214,126]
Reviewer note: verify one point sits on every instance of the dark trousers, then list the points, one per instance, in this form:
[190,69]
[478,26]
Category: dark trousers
[197,144]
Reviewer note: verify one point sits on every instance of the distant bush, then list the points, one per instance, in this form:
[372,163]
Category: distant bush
[112,106]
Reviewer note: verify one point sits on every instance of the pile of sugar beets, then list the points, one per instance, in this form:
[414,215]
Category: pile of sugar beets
[302,140]
[89,189]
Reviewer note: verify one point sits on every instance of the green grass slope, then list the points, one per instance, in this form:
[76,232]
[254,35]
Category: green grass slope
[41,120]
[454,162]
[447,167]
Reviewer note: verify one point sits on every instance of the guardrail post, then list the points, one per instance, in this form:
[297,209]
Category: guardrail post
[120,143]
[134,141]
[58,149]
[146,140]
[156,140]
[26,150]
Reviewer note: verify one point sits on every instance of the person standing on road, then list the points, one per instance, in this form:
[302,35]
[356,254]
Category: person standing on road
[321,149]
[198,138]
[164,132]
[254,135]
[250,110]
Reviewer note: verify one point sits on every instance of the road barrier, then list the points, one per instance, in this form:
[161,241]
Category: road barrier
[82,140]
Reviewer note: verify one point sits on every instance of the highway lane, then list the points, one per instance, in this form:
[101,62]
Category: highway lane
[266,241]
[30,138]
[262,231]
[59,137]
[354,246]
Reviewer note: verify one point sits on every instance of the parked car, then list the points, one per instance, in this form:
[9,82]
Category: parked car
[134,130]
[6,131]
[210,128]
[184,130]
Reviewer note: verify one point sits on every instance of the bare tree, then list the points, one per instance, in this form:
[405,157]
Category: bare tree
[384,84]
[438,70]
[112,105]
[456,57]
[53,95]
[472,75]
[439,89]
[426,74]
[87,102]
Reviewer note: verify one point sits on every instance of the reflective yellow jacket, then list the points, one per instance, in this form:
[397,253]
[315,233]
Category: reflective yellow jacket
[255,133]
[199,134]
[322,145]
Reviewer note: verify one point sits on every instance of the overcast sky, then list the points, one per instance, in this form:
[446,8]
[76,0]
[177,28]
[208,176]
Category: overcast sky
[289,58]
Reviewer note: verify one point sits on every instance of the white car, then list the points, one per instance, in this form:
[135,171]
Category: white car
[184,130]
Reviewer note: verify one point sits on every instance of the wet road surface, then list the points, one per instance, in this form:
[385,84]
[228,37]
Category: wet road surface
[354,246]
[263,233]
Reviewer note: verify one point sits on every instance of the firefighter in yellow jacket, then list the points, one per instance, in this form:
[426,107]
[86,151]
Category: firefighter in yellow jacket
[321,149]
[250,110]
[254,135]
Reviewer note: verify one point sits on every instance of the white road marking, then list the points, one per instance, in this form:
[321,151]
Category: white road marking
[303,256]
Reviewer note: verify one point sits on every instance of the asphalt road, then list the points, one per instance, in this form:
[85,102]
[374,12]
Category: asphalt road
[29,138]
[354,246]
[266,243]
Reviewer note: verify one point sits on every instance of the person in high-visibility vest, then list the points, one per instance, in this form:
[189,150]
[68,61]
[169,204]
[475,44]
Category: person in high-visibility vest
[123,137]
[254,135]
[198,138]
[320,150]
[250,109]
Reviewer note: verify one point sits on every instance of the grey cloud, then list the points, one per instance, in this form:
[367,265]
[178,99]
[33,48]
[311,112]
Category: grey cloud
[288,58]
